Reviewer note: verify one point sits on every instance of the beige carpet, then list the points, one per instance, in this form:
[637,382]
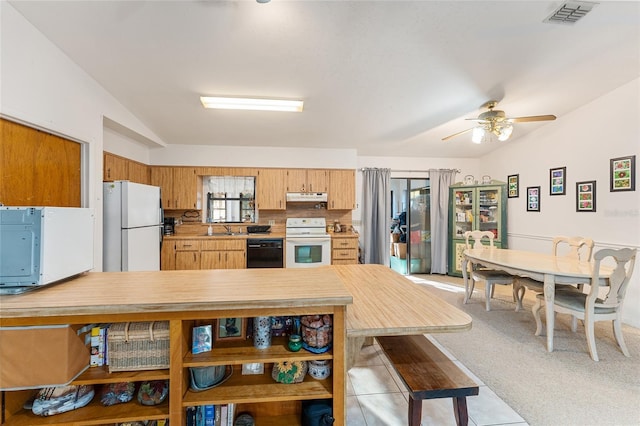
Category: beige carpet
[564,387]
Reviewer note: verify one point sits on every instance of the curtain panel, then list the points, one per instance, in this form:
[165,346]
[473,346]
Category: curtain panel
[440,180]
[376,215]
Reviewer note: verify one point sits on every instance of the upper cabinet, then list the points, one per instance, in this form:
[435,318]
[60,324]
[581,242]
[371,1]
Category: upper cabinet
[115,168]
[342,190]
[119,168]
[307,180]
[271,189]
[179,186]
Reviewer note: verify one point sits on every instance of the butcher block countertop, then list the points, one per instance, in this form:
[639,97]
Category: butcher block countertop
[381,302]
[129,296]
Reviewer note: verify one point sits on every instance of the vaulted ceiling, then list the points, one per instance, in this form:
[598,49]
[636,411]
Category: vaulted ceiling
[387,78]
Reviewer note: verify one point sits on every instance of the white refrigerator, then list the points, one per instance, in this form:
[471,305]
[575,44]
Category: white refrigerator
[132,227]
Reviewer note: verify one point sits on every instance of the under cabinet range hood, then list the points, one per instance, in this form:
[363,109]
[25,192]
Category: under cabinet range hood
[303,197]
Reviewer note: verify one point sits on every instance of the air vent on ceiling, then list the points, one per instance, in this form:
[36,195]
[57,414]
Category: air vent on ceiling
[570,13]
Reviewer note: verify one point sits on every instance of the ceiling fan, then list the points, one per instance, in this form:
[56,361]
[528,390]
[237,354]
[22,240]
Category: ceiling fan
[497,123]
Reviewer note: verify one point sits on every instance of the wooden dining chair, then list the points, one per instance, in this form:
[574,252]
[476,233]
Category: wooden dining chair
[474,239]
[591,307]
[578,248]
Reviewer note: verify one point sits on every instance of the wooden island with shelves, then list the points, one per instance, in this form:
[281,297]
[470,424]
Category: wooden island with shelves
[185,298]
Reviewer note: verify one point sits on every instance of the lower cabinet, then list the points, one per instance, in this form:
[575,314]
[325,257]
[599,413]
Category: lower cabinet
[223,254]
[344,250]
[218,253]
[187,254]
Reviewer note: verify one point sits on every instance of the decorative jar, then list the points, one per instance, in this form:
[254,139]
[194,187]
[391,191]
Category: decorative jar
[295,342]
[319,369]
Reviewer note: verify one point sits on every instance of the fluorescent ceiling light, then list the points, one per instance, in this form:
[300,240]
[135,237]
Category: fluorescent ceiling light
[251,104]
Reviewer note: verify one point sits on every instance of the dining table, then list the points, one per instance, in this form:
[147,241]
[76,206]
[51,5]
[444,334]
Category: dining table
[549,269]
[386,303]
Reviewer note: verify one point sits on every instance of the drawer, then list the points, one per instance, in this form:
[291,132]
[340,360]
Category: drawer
[344,254]
[344,262]
[221,244]
[344,243]
[187,245]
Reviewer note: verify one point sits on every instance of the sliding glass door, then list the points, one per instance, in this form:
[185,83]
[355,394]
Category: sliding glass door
[410,210]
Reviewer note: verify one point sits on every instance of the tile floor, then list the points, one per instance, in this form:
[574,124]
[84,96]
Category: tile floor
[376,397]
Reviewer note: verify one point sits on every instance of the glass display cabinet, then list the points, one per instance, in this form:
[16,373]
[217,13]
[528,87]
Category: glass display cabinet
[475,207]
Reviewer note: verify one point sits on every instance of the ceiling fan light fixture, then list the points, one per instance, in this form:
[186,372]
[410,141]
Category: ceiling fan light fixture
[505,132]
[255,104]
[478,134]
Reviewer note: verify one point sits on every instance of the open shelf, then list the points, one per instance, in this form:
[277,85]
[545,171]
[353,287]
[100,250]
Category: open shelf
[260,388]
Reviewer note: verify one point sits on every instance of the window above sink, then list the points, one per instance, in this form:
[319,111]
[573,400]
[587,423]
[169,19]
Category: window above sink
[230,199]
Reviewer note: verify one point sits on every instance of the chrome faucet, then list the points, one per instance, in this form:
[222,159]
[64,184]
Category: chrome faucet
[228,228]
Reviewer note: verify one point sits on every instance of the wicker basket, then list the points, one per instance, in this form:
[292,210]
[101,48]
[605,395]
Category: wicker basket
[136,346]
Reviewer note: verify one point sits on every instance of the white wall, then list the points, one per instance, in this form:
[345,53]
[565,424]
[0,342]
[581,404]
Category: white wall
[584,141]
[43,88]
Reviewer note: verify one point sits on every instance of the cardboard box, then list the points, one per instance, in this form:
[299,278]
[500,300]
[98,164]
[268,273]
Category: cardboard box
[36,357]
[400,250]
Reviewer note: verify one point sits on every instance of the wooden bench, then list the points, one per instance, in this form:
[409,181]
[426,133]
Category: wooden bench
[428,374]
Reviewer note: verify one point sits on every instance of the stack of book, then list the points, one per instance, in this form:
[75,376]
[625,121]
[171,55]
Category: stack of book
[211,415]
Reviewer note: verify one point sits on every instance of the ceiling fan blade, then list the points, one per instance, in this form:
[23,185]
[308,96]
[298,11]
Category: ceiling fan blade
[457,134]
[532,118]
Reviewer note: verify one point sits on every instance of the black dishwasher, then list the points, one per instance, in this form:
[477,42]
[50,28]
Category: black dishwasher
[264,253]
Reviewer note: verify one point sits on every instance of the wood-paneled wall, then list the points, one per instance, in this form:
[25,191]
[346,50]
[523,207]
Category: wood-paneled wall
[38,168]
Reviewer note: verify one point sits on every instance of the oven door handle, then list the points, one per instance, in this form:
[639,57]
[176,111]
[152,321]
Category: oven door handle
[298,240]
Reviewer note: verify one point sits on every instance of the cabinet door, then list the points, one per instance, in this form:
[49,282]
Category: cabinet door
[236,260]
[168,256]
[138,172]
[296,180]
[187,260]
[211,259]
[115,168]
[317,181]
[185,191]
[342,190]
[462,211]
[270,189]
[163,177]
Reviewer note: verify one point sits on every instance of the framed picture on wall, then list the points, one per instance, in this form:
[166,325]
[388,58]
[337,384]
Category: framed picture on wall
[557,180]
[586,196]
[513,186]
[622,174]
[533,198]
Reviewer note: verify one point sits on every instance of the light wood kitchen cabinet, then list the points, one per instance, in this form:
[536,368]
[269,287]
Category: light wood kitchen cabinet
[179,186]
[344,250]
[187,254]
[307,180]
[120,168]
[115,168]
[139,173]
[223,254]
[271,189]
[168,255]
[342,190]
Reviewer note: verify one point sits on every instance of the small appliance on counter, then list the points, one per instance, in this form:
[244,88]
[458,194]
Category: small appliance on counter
[169,225]
[42,245]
